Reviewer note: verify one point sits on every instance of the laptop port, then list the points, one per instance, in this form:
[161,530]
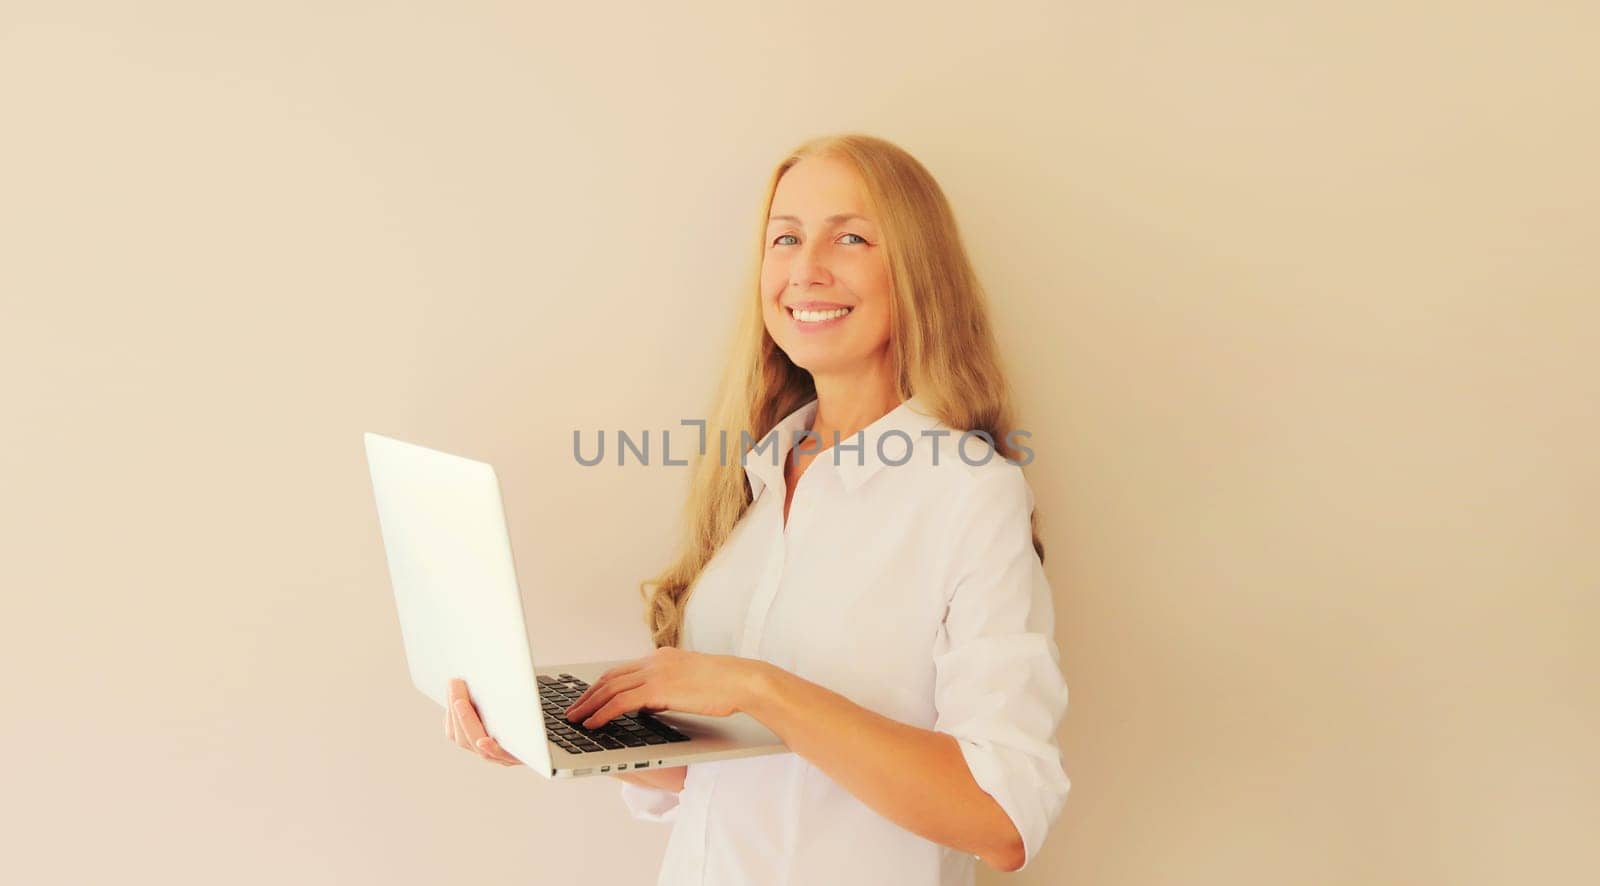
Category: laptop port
[605,768]
[641,765]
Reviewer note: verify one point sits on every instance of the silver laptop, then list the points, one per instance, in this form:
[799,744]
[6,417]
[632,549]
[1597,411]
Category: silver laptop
[461,615]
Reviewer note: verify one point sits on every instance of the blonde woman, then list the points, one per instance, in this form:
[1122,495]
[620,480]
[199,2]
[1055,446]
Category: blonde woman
[861,573]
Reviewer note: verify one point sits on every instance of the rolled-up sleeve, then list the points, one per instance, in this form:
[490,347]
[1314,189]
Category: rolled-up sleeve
[999,689]
[650,804]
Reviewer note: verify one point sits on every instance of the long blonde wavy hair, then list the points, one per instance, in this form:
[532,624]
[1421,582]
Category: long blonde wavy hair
[940,341]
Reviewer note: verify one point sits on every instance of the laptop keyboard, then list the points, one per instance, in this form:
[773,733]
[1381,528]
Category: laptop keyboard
[635,730]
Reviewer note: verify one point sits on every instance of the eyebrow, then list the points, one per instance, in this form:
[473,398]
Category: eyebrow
[829,220]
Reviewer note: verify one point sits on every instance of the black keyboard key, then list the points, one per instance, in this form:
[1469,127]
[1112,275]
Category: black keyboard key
[667,732]
[671,733]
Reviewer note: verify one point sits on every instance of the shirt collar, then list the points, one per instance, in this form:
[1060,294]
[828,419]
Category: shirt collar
[854,467]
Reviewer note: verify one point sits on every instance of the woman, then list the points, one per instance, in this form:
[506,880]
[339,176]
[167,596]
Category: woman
[893,625]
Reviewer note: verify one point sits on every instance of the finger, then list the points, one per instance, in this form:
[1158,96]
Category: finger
[609,675]
[586,694]
[461,695]
[596,695]
[449,724]
[581,709]
[458,731]
[460,714]
[484,747]
[595,690]
[470,723]
[621,703]
[492,749]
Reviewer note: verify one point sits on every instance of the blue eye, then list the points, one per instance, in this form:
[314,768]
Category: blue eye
[791,237]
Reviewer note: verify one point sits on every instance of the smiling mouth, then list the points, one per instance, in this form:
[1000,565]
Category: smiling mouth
[808,316]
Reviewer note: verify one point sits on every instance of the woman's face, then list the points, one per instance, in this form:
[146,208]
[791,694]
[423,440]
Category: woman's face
[824,255]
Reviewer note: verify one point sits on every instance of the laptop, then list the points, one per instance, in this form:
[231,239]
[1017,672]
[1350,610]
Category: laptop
[462,615]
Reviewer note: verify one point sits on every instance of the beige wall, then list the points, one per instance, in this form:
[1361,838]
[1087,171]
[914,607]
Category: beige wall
[1301,299]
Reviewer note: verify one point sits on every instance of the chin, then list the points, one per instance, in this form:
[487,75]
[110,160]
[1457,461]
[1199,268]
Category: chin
[814,362]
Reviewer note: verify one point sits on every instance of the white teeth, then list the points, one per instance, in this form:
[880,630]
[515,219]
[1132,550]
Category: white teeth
[819,316]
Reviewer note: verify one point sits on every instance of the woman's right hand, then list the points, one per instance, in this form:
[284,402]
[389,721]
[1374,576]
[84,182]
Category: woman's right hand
[463,726]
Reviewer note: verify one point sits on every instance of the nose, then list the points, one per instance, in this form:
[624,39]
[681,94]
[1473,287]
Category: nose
[808,267]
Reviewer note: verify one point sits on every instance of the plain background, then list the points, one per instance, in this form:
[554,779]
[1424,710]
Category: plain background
[1301,302]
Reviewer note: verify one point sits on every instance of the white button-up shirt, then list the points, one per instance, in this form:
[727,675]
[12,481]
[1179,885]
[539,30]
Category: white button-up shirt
[912,589]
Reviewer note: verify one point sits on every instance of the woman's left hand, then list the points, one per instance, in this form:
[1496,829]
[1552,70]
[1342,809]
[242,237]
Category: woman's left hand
[668,679]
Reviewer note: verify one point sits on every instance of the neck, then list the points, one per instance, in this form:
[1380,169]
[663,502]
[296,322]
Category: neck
[846,403]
